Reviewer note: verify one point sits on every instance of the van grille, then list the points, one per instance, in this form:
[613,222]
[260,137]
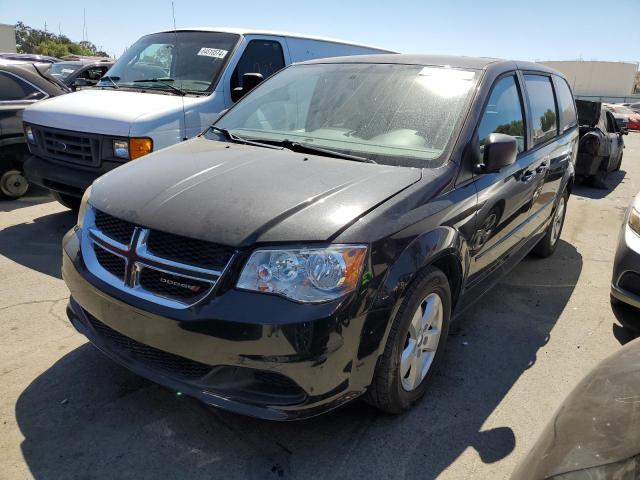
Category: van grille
[189,250]
[66,146]
[163,266]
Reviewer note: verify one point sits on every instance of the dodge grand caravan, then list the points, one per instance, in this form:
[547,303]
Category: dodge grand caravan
[167,87]
[314,244]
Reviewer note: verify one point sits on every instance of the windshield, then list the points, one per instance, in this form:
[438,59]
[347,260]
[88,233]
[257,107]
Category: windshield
[62,70]
[190,61]
[398,114]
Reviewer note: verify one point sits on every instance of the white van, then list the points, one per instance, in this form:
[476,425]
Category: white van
[167,87]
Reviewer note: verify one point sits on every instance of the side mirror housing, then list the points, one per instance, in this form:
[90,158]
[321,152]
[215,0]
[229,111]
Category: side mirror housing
[79,82]
[249,82]
[500,151]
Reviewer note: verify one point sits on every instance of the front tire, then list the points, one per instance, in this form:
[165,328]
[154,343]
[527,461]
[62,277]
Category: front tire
[548,244]
[415,345]
[69,201]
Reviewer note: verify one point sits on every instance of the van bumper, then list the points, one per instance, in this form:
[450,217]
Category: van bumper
[64,178]
[259,369]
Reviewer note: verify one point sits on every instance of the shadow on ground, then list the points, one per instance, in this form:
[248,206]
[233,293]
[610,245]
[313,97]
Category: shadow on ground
[629,328]
[34,196]
[87,417]
[37,244]
[613,180]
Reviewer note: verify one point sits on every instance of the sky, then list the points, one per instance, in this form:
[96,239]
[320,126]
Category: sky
[524,30]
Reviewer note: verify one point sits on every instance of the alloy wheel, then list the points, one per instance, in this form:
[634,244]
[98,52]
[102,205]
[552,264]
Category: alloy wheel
[13,184]
[422,342]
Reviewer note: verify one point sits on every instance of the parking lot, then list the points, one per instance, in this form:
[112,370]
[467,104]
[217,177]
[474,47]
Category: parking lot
[69,412]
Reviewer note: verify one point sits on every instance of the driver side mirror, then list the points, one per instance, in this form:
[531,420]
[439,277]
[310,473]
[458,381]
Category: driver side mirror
[249,82]
[500,151]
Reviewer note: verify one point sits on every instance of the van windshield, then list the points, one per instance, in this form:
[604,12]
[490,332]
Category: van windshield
[389,113]
[189,61]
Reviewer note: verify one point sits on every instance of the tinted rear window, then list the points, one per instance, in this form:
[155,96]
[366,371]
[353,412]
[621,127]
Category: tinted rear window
[544,117]
[565,105]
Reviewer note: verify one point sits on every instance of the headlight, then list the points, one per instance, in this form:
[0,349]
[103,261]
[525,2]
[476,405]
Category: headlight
[304,274]
[634,220]
[30,136]
[132,148]
[84,204]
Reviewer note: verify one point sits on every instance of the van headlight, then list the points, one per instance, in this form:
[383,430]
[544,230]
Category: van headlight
[634,220]
[132,148]
[84,204]
[304,274]
[29,135]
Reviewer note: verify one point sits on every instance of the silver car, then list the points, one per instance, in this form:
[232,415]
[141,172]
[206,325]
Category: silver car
[625,284]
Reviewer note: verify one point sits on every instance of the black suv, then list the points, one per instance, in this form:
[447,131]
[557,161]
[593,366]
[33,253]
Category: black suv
[314,244]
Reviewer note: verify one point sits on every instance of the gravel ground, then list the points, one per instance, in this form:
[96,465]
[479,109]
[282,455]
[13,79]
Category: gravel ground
[68,412]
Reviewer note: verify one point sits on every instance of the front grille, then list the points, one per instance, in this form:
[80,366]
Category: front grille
[630,282]
[171,267]
[76,147]
[150,357]
[172,286]
[119,230]
[113,264]
[189,250]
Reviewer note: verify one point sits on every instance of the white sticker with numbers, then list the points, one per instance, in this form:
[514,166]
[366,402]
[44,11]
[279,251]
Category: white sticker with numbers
[212,52]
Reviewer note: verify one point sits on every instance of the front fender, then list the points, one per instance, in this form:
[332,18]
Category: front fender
[440,244]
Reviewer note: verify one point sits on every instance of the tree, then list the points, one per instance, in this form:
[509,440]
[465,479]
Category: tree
[33,40]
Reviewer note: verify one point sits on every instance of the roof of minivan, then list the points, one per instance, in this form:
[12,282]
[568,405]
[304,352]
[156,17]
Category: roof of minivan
[255,31]
[477,63]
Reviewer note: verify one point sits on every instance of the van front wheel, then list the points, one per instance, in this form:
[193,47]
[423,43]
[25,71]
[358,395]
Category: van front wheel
[69,201]
[415,345]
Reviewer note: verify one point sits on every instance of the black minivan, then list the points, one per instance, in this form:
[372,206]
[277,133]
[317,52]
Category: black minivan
[313,245]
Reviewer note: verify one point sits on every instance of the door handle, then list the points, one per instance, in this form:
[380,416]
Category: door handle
[542,168]
[528,176]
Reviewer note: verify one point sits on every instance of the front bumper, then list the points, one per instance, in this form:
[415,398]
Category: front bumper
[62,177]
[625,282]
[240,351]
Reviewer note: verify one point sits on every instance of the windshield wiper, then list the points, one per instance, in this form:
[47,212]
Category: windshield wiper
[232,137]
[306,148]
[163,82]
[112,80]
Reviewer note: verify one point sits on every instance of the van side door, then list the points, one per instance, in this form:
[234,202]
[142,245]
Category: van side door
[263,55]
[504,197]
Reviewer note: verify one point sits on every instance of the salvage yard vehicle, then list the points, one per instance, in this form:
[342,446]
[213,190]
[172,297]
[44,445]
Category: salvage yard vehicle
[625,284]
[601,144]
[21,85]
[313,245]
[80,73]
[167,87]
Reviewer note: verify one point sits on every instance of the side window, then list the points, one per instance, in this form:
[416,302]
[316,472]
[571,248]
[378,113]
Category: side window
[565,105]
[93,73]
[260,56]
[503,113]
[13,89]
[544,116]
[611,123]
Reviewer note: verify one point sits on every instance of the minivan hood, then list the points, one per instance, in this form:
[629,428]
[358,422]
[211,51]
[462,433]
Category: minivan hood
[108,112]
[238,195]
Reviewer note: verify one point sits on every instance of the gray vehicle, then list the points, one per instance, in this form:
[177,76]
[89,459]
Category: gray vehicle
[625,284]
[21,85]
[595,434]
[601,145]
[80,73]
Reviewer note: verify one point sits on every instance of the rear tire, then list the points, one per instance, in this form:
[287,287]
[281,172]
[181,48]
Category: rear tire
[395,388]
[69,201]
[548,244]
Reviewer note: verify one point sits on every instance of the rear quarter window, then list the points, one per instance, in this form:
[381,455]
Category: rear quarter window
[544,116]
[566,105]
